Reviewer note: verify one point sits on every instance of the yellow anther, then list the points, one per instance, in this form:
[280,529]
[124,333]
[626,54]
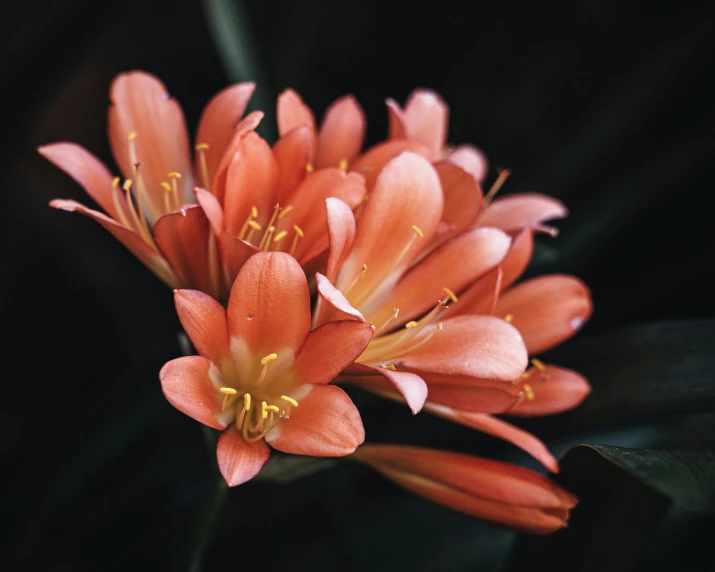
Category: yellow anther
[309,168]
[280,236]
[390,367]
[202,146]
[343,164]
[284,212]
[508,318]
[525,375]
[166,186]
[174,175]
[115,182]
[298,231]
[271,228]
[228,391]
[127,184]
[418,231]
[395,313]
[268,359]
[538,364]
[452,295]
[411,324]
[254,212]
[439,325]
[290,400]
[363,271]
[254,225]
[247,401]
[529,391]
[273,408]
[264,412]
[132,135]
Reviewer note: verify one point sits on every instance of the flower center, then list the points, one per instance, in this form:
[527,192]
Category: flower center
[259,410]
[272,236]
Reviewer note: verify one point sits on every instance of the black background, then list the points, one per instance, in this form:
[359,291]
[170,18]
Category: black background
[605,105]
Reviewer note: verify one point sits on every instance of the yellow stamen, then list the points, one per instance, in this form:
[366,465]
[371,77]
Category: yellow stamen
[509,318]
[396,313]
[452,295]
[298,231]
[264,410]
[268,359]
[418,231]
[127,184]
[174,175]
[270,229]
[411,324]
[390,367]
[528,390]
[298,235]
[273,408]
[343,164]
[254,225]
[228,391]
[132,135]
[201,146]
[247,401]
[280,236]
[284,212]
[290,400]
[254,212]
[166,186]
[439,325]
[115,182]
[538,364]
[309,168]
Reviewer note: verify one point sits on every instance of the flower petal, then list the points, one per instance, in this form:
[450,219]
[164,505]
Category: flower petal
[212,208]
[341,133]
[329,349]
[326,423]
[563,390]
[292,153]
[136,244]
[332,305]
[191,385]
[426,117]
[481,297]
[370,164]
[217,125]
[477,346]
[516,212]
[396,120]
[204,321]
[471,394]
[86,169]
[547,310]
[341,234]
[182,237]
[410,386]
[269,305]
[250,182]
[292,113]
[501,429]
[456,264]
[407,195]
[141,105]
[472,160]
[518,258]
[234,254]
[238,460]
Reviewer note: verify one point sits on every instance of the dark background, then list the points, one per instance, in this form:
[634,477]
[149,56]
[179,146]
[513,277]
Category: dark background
[607,106]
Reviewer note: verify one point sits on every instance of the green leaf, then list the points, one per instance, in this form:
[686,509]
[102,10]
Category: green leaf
[624,494]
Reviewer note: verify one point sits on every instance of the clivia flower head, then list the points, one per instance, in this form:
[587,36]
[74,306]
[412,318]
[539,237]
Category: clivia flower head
[251,197]
[261,376]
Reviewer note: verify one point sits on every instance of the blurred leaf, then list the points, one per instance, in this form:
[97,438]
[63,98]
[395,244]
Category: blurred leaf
[623,495]
[231,32]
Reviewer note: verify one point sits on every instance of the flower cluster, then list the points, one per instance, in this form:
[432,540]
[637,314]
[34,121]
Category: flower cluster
[411,267]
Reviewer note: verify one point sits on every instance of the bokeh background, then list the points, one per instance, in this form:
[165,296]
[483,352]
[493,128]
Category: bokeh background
[605,105]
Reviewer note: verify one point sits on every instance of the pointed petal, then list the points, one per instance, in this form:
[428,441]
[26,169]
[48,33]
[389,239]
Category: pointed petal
[407,194]
[341,234]
[269,306]
[341,134]
[86,169]
[471,394]
[234,254]
[138,247]
[182,237]
[472,160]
[292,153]
[456,264]
[250,182]
[332,305]
[477,346]
[212,208]
[426,117]
[501,429]
[218,123]
[329,349]
[370,164]
[462,201]
[238,460]
[292,113]
[516,212]
[141,105]
[481,297]
[396,120]
[310,215]
[191,385]
[204,321]
[547,310]
[410,386]
[326,423]
[518,258]
[563,390]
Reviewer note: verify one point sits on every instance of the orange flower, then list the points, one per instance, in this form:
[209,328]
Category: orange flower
[261,376]
[251,197]
[499,492]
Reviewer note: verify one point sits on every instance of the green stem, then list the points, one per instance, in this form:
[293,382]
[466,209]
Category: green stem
[206,522]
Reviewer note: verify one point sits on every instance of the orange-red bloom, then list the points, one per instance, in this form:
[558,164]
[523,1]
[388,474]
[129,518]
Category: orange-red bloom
[251,197]
[499,492]
[261,375]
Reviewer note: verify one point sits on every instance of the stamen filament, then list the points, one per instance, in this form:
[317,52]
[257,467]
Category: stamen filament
[298,235]
[202,148]
[501,179]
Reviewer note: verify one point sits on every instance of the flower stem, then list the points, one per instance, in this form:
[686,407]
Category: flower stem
[206,522]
